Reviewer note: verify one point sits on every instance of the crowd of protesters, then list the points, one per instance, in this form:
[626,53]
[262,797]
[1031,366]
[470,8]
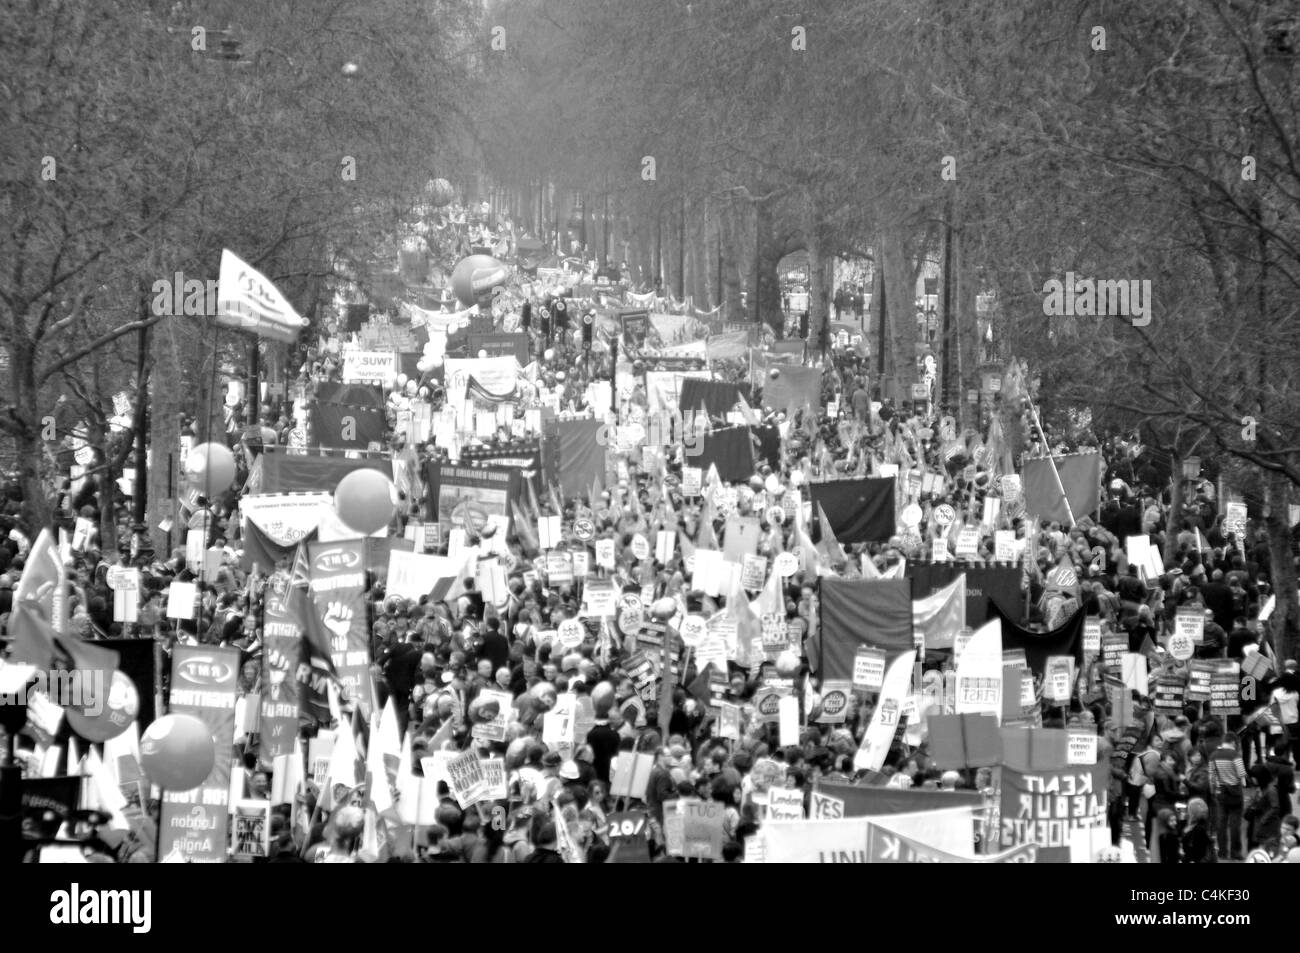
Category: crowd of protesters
[1201,788]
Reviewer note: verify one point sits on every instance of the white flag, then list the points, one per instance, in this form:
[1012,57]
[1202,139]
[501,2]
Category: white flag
[884,722]
[979,672]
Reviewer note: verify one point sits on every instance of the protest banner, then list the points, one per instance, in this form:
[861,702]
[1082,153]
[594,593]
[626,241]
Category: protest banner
[284,612]
[365,366]
[1043,807]
[194,823]
[338,598]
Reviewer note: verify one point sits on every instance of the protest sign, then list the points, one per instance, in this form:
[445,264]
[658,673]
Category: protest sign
[1190,625]
[1225,688]
[753,572]
[1200,681]
[180,600]
[824,807]
[465,778]
[868,668]
[627,837]
[1092,636]
[702,831]
[494,727]
[630,773]
[785,804]
[1081,748]
[1058,681]
[1170,693]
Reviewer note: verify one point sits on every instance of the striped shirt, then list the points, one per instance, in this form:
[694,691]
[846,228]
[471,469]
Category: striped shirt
[1227,768]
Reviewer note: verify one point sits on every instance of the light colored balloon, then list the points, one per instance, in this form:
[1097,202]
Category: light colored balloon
[177,752]
[210,468]
[787,664]
[364,500]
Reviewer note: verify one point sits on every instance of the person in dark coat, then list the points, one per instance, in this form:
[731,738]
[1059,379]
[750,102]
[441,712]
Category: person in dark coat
[545,852]
[495,645]
[1279,764]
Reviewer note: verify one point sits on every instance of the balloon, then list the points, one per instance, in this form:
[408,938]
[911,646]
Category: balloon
[796,477]
[474,277]
[549,354]
[268,436]
[664,609]
[559,375]
[787,664]
[177,752]
[113,714]
[401,380]
[774,373]
[602,699]
[424,364]
[482,353]
[364,501]
[424,392]
[210,467]
[772,484]
[440,192]
[410,387]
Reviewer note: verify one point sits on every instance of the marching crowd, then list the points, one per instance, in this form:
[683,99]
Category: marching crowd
[1203,788]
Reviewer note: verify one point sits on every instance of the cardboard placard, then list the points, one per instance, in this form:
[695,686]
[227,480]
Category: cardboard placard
[869,668]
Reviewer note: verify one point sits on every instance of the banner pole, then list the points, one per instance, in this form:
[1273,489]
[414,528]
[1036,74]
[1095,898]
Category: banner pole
[1056,473]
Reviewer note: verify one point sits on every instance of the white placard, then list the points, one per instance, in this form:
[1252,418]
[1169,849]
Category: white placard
[1081,748]
[180,600]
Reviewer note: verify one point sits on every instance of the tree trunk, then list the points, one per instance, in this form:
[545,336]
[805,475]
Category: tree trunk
[164,428]
[1285,621]
[770,252]
[1175,509]
[37,509]
[818,310]
[900,329]
[732,255]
